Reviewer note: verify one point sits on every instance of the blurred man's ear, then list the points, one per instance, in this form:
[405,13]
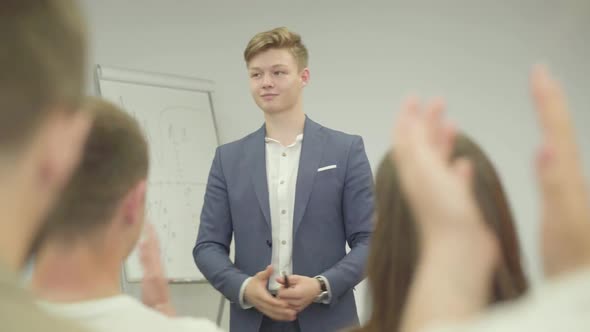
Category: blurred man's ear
[64,136]
[134,203]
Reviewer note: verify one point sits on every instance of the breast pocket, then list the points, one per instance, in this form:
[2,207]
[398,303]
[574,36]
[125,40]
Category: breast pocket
[328,185]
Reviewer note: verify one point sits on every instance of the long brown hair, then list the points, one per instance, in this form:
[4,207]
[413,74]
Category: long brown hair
[394,247]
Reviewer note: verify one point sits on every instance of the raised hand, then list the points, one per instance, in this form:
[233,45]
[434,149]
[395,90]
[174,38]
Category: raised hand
[154,285]
[564,194]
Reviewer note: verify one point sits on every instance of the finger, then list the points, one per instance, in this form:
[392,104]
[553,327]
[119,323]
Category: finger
[299,309]
[402,125]
[282,314]
[559,168]
[295,279]
[265,274]
[149,235]
[550,105]
[152,236]
[448,135]
[545,159]
[289,294]
[150,255]
[143,251]
[145,256]
[557,128]
[291,303]
[274,304]
[271,301]
[296,303]
[148,230]
[290,298]
[434,122]
[463,169]
[288,314]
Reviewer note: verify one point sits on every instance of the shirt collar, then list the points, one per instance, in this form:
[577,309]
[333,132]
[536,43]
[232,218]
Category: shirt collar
[298,139]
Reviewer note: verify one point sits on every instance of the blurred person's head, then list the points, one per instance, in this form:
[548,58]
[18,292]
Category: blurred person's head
[99,217]
[42,65]
[395,242]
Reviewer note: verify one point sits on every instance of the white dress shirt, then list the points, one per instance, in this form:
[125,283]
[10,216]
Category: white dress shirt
[559,305]
[282,166]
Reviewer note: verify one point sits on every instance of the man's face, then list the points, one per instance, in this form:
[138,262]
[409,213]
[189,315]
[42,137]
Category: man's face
[276,82]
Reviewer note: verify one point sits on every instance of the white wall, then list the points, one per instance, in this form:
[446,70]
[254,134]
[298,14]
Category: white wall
[365,56]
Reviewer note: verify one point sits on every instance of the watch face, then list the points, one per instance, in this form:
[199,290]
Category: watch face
[323,287]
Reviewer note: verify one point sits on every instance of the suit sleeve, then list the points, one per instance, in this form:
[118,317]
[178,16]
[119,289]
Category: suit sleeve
[357,205]
[211,251]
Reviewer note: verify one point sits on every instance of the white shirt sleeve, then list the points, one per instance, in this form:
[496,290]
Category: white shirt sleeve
[243,303]
[559,305]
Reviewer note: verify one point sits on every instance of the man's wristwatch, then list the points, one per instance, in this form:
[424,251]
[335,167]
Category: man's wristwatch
[324,291]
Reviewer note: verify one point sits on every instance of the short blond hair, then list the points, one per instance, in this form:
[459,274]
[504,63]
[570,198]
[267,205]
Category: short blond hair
[115,160]
[278,38]
[42,63]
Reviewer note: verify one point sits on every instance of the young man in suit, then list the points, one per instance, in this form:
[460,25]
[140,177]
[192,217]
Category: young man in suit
[293,194]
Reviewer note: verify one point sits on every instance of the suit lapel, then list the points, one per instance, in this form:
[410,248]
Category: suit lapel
[311,154]
[258,171]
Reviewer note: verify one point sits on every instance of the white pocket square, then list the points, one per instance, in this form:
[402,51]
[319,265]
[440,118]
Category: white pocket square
[326,168]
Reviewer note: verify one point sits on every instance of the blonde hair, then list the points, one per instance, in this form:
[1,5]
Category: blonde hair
[42,62]
[278,38]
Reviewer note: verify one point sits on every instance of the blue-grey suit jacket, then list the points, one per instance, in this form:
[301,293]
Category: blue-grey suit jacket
[332,208]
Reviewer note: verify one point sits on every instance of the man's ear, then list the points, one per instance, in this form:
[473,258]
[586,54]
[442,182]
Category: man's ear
[305,76]
[64,134]
[134,203]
